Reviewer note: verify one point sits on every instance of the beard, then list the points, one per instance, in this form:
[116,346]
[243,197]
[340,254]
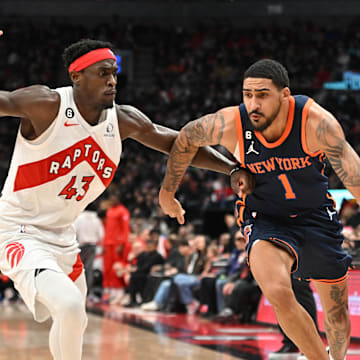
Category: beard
[268,120]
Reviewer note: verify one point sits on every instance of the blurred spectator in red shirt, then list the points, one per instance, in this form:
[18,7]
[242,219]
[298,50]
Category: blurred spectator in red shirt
[116,246]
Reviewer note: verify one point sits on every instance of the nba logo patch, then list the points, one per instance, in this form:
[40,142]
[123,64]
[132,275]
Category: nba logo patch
[14,253]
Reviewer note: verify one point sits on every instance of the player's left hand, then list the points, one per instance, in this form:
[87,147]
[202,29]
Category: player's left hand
[242,182]
[171,206]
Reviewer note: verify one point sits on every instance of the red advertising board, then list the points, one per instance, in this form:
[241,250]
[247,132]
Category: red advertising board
[266,314]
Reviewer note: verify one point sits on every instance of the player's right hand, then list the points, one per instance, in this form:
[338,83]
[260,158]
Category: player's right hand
[1,32]
[171,206]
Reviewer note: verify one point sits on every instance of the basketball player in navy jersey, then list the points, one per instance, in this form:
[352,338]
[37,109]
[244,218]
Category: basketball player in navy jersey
[66,153]
[289,219]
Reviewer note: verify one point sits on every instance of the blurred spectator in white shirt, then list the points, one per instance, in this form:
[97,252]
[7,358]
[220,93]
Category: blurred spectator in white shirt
[89,232]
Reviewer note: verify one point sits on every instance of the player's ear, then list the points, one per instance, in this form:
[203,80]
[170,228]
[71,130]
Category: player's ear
[75,77]
[285,92]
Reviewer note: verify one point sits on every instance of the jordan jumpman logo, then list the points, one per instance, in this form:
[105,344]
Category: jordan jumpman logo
[251,149]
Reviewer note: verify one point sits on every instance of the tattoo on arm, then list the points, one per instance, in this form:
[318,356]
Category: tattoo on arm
[208,130]
[342,157]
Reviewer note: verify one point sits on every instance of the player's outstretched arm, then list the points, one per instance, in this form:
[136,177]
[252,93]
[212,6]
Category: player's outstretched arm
[208,130]
[344,160]
[36,106]
[136,125]
[31,102]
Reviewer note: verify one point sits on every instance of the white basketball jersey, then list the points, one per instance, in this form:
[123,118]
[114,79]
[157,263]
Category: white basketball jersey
[52,178]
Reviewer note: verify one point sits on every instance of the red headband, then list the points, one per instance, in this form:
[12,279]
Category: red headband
[90,58]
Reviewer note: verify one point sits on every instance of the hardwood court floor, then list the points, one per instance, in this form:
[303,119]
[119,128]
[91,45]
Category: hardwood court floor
[21,338]
[116,333]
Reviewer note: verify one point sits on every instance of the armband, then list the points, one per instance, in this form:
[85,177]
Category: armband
[234,170]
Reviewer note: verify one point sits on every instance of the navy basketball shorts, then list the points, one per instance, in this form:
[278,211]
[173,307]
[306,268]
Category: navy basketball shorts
[315,241]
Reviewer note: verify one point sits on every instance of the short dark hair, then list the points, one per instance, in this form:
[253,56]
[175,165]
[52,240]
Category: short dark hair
[269,69]
[150,241]
[183,243]
[154,231]
[75,50]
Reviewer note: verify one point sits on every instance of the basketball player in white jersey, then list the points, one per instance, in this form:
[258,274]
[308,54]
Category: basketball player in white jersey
[66,153]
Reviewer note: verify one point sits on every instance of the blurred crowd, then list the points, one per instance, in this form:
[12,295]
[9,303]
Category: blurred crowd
[197,69]
[136,263]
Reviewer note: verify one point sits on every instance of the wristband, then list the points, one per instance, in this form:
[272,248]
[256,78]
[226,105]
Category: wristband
[234,170]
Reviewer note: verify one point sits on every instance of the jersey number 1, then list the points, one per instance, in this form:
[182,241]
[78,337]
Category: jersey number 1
[289,192]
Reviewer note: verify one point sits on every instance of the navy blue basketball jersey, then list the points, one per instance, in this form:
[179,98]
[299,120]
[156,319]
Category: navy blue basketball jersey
[290,180]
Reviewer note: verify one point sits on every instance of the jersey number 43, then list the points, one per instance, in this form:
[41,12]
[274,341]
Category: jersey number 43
[69,191]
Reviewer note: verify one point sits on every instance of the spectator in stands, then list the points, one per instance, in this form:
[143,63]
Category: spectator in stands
[348,210]
[138,278]
[354,219]
[241,297]
[186,231]
[162,241]
[174,260]
[136,249]
[89,233]
[157,271]
[225,243]
[186,283]
[174,264]
[124,271]
[211,286]
[116,247]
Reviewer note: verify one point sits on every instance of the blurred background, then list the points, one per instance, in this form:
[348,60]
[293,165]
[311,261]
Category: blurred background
[179,60]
